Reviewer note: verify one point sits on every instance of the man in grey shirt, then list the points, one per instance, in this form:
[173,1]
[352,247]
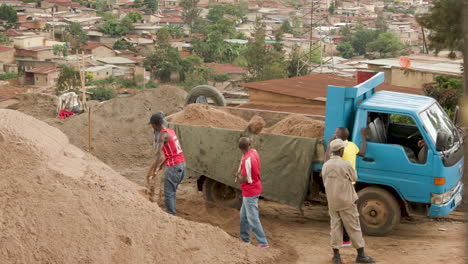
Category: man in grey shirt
[338,177]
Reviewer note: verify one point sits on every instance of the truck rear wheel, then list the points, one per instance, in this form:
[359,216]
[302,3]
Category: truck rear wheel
[203,92]
[218,192]
[379,211]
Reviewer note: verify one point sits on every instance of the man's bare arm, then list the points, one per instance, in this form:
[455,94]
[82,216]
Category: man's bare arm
[362,149]
[163,139]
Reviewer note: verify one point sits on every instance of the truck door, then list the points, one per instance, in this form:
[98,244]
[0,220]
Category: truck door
[397,155]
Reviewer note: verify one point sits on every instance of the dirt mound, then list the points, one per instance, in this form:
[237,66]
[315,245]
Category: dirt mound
[204,115]
[256,124]
[61,205]
[121,136]
[39,105]
[298,125]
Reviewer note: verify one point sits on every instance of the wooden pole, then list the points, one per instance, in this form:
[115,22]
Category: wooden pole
[82,75]
[89,129]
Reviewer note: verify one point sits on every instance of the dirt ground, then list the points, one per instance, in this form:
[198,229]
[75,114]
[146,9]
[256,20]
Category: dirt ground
[305,238]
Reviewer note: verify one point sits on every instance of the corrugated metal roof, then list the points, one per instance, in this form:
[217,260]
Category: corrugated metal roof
[409,102]
[116,60]
[44,70]
[315,85]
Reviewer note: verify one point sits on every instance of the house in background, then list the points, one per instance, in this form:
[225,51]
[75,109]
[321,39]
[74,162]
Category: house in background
[28,41]
[98,50]
[42,77]
[7,56]
[36,53]
[100,72]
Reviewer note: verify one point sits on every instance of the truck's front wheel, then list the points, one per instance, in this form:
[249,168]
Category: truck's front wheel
[379,211]
[218,192]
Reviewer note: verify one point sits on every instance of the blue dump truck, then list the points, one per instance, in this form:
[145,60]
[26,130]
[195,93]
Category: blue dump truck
[397,177]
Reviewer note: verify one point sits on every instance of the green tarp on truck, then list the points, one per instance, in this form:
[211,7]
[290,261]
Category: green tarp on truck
[286,161]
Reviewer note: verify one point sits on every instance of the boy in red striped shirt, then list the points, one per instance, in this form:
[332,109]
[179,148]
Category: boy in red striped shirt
[169,145]
[251,190]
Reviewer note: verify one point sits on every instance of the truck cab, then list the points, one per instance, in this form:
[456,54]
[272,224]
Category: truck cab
[414,157]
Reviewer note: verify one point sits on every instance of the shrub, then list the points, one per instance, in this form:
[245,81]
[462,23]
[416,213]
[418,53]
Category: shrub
[102,94]
[8,75]
[446,90]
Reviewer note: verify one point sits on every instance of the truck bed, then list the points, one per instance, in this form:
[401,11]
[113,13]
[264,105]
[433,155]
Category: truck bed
[286,160]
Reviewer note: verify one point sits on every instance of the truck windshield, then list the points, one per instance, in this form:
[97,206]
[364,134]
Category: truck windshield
[435,120]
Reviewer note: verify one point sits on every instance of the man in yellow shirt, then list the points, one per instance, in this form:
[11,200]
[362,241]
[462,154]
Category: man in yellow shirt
[350,152]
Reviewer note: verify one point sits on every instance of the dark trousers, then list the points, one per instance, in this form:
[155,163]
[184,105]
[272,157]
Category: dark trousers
[345,235]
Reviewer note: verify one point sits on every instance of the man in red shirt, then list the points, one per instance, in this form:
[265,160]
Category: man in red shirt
[251,190]
[169,145]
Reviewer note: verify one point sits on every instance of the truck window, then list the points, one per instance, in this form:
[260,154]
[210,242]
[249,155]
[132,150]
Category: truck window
[385,128]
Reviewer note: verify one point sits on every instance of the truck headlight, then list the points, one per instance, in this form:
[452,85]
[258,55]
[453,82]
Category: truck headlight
[441,198]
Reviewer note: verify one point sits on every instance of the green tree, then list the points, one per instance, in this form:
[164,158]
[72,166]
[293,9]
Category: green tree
[4,38]
[134,17]
[265,63]
[189,64]
[8,13]
[387,44]
[163,39]
[345,49]
[215,13]
[447,90]
[163,62]
[224,26]
[106,16]
[256,53]
[444,23]
[176,31]
[381,24]
[151,5]
[74,34]
[191,12]
[165,59]
[332,8]
[138,3]
[296,64]
[286,27]
[123,45]
[361,38]
[60,49]
[69,79]
[127,23]
[346,32]
[114,28]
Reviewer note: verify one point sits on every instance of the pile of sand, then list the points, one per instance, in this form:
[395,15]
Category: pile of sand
[207,116]
[61,205]
[298,125]
[121,136]
[39,105]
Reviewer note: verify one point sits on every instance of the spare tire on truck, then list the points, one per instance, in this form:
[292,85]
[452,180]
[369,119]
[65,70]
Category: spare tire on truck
[204,92]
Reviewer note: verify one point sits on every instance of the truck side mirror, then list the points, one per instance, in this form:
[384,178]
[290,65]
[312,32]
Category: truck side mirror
[442,140]
[456,115]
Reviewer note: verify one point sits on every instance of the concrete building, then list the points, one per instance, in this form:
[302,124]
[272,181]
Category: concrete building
[36,53]
[100,72]
[42,77]
[25,42]
[97,50]
[7,56]
[422,70]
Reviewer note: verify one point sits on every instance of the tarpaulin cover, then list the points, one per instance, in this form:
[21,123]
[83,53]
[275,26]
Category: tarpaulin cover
[286,161]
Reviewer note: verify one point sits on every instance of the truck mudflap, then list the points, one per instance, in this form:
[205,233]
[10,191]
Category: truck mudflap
[438,210]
